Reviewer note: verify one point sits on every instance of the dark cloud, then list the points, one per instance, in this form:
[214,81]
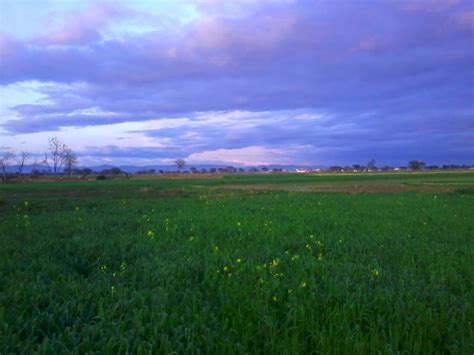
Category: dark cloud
[388,76]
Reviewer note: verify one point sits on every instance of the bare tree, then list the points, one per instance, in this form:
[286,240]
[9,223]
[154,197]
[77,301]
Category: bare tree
[70,161]
[180,163]
[56,152]
[5,159]
[24,156]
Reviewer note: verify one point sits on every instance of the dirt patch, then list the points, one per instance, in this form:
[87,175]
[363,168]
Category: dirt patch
[341,187]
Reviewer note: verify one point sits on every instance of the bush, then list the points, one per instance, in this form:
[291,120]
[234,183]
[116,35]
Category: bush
[101,177]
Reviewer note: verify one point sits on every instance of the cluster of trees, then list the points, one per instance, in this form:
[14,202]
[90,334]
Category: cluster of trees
[180,163]
[58,158]
[7,158]
[371,166]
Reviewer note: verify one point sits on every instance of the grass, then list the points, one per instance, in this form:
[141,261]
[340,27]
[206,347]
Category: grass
[116,267]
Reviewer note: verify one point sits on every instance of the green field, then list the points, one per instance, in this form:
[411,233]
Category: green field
[294,264]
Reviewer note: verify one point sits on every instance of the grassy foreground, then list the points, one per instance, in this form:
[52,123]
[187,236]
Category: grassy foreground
[160,266]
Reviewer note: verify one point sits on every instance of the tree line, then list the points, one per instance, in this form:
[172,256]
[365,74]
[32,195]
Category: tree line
[59,159]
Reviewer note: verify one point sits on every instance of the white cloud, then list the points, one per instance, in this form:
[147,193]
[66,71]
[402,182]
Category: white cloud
[253,155]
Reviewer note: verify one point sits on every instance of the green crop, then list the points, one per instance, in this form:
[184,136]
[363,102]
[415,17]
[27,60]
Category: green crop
[175,266]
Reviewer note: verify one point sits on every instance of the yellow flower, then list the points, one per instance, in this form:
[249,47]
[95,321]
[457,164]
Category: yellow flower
[238,261]
[151,234]
[226,268]
[303,284]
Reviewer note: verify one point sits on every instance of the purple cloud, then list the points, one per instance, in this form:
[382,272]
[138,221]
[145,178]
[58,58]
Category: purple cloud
[392,71]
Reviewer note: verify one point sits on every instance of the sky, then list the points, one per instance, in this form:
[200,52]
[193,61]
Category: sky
[242,82]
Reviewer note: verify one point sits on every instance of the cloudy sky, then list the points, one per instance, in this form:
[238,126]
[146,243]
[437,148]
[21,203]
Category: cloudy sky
[240,81]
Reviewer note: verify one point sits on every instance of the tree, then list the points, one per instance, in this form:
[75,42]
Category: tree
[416,165]
[5,159]
[70,161]
[180,163]
[371,165]
[21,161]
[55,152]
[116,171]
[35,172]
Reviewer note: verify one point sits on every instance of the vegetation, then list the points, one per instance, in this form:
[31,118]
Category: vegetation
[180,163]
[188,265]
[416,165]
